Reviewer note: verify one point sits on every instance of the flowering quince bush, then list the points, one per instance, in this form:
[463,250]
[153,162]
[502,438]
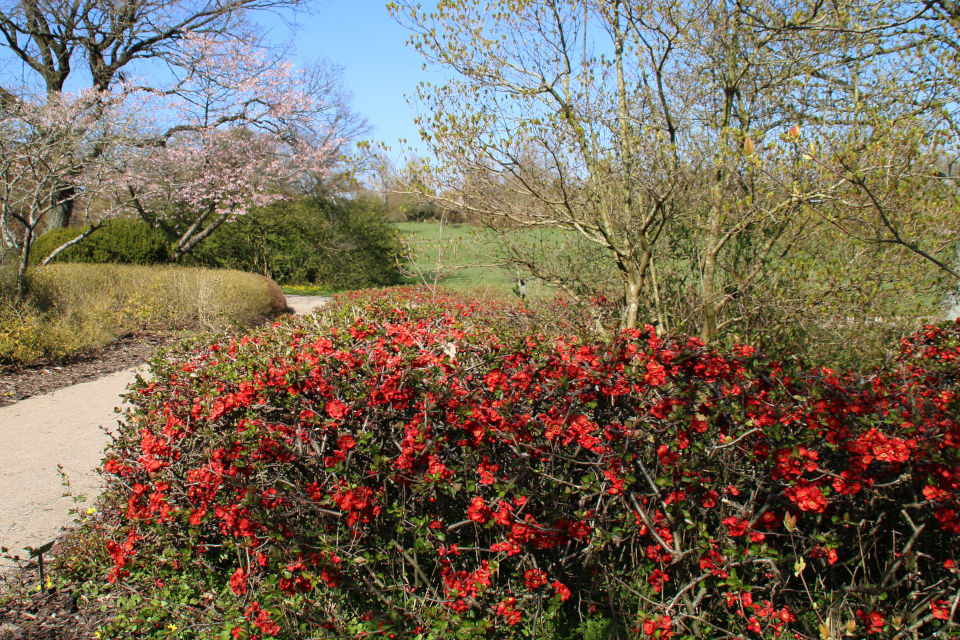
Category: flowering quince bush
[414,464]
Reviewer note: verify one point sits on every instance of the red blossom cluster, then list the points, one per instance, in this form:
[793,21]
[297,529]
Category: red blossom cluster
[357,467]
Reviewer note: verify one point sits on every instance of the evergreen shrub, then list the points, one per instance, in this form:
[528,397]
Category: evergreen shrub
[339,243]
[411,464]
[122,241]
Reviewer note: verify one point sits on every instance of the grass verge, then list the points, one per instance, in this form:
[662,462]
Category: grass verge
[307,290]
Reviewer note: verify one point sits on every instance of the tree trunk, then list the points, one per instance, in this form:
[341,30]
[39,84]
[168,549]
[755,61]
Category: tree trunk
[663,327]
[632,298]
[948,170]
[24,261]
[191,238]
[708,275]
[62,209]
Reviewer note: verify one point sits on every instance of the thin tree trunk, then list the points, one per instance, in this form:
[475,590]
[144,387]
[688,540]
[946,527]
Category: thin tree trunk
[708,275]
[187,243]
[632,289]
[949,171]
[67,245]
[24,261]
[662,326]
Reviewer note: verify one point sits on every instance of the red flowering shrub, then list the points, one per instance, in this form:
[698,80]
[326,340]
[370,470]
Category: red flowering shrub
[402,466]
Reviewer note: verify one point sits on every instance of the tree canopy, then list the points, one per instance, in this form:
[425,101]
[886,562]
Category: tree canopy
[735,163]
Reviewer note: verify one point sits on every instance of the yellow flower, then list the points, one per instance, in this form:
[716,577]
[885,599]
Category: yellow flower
[91,511]
[97,635]
[171,627]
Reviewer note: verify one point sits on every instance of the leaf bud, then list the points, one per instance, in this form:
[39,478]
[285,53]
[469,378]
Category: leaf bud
[794,133]
[748,147]
[790,521]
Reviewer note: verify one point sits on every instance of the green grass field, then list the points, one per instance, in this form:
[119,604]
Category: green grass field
[464,256]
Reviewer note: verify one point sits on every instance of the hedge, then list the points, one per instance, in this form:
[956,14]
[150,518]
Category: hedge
[409,466]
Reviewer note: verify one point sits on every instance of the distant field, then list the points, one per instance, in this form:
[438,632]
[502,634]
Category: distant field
[467,260]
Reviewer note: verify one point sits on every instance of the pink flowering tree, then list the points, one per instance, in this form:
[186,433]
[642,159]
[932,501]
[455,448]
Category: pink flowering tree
[226,123]
[250,128]
[213,176]
[51,150]
[51,46]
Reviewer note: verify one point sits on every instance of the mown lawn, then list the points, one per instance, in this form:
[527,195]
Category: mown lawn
[467,261]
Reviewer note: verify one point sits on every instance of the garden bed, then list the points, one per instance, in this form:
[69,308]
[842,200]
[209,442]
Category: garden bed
[131,350]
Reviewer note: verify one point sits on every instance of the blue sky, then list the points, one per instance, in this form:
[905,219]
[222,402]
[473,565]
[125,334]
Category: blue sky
[379,69]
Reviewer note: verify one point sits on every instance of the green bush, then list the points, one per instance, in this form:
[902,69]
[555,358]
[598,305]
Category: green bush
[124,241]
[407,466]
[337,243]
[73,308]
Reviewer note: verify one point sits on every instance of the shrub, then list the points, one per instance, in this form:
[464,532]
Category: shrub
[339,243]
[278,301]
[25,338]
[78,307]
[124,241]
[418,472]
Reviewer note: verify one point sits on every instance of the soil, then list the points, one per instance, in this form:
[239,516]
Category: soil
[19,383]
[46,615]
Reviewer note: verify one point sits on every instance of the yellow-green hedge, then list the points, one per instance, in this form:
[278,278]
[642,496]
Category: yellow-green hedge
[77,307]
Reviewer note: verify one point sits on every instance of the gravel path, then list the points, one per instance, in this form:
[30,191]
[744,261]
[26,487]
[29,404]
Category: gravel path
[67,428]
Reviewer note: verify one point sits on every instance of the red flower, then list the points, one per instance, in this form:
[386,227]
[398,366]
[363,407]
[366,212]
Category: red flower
[807,496]
[511,548]
[345,443]
[657,580]
[891,449]
[663,624]
[656,374]
[534,578]
[335,409]
[744,351]
[874,621]
[506,610]
[710,499]
[478,511]
[238,582]
[486,472]
[261,619]
[736,526]
[941,609]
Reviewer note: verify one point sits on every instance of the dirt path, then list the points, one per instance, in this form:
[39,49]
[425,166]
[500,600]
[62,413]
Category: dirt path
[63,427]
[302,305]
